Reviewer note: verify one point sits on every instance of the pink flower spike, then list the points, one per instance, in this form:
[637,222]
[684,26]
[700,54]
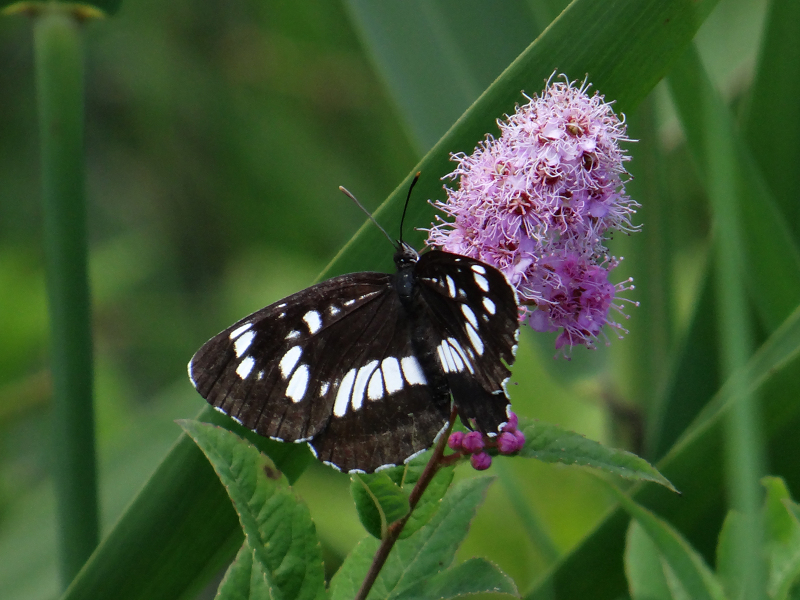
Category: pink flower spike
[538,203]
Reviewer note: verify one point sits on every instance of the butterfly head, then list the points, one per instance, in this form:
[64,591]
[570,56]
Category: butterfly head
[405,255]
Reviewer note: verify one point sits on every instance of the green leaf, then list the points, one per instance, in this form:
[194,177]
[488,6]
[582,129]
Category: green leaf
[770,252]
[244,579]
[276,524]
[643,567]
[473,576]
[550,443]
[429,502]
[691,574]
[727,572]
[782,538]
[772,137]
[774,373]
[180,528]
[379,501]
[420,556]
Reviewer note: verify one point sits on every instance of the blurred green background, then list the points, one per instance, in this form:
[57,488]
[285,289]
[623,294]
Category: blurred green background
[217,134]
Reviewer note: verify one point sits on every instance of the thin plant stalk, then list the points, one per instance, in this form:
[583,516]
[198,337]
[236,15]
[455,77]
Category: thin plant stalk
[59,87]
[743,445]
[396,528]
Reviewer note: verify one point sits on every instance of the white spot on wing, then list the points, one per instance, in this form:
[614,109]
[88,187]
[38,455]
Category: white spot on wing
[360,385]
[451,286]
[375,387]
[314,321]
[292,335]
[289,361]
[460,351]
[469,315]
[445,359]
[298,384]
[482,282]
[323,389]
[489,306]
[391,375]
[478,269]
[244,368]
[240,330]
[241,345]
[333,310]
[475,339]
[455,356]
[343,393]
[412,371]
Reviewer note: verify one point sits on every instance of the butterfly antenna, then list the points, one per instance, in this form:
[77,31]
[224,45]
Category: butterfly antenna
[361,206]
[408,197]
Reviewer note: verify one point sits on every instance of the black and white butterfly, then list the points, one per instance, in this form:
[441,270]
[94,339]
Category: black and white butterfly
[363,366]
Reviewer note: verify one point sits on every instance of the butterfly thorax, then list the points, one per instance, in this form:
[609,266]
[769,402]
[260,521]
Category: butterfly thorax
[405,258]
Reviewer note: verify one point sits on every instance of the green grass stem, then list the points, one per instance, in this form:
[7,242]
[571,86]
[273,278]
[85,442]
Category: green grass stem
[59,82]
[743,446]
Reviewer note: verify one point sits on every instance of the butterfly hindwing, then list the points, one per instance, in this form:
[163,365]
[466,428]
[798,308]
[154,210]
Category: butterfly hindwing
[474,309]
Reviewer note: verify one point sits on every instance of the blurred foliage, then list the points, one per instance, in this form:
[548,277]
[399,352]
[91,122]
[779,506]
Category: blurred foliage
[217,134]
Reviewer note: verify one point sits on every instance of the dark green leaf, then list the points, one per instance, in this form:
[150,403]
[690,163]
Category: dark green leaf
[550,443]
[379,502]
[770,252]
[473,576]
[429,502]
[420,556]
[690,572]
[276,524]
[774,373]
[179,529]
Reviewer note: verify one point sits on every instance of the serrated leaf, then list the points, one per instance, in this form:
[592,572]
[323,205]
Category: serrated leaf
[244,579]
[550,443]
[429,502]
[379,502]
[473,576]
[420,556]
[643,567]
[692,575]
[276,524]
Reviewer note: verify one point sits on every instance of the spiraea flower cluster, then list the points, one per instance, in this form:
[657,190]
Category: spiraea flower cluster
[475,444]
[539,202]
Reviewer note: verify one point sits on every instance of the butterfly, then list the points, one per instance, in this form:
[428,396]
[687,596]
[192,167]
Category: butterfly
[363,367]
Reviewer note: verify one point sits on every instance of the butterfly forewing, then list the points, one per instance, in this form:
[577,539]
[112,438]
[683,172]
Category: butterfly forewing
[475,312]
[333,363]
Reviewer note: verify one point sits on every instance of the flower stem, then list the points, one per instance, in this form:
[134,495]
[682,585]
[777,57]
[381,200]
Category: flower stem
[396,528]
[59,87]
